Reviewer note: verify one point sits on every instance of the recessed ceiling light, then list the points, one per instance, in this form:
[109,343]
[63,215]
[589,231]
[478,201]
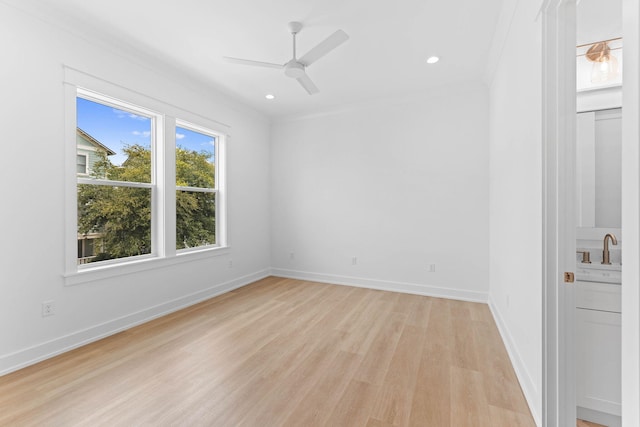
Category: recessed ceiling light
[270,96]
[432,60]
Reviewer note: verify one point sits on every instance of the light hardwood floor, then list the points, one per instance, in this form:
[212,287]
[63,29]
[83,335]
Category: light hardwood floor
[283,352]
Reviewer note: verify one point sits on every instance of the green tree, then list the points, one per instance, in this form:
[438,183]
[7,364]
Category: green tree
[195,211]
[122,215]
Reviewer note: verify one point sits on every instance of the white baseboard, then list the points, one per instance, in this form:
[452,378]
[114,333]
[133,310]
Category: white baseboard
[524,377]
[383,285]
[598,417]
[37,353]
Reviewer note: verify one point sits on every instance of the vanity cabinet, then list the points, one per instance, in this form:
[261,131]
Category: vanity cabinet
[598,347]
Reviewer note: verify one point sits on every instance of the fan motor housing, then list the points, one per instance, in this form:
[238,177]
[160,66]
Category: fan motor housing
[294,69]
[294,27]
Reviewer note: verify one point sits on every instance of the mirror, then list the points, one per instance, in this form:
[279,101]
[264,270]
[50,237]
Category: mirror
[599,156]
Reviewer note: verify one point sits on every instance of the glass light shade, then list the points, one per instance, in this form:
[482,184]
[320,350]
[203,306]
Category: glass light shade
[605,69]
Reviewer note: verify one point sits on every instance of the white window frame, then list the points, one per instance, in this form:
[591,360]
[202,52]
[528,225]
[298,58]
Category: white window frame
[156,122]
[193,127]
[86,164]
[163,183]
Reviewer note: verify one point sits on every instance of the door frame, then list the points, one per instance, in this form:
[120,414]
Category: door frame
[558,121]
[631,214]
[558,204]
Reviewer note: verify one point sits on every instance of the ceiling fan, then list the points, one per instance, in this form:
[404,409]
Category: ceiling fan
[295,68]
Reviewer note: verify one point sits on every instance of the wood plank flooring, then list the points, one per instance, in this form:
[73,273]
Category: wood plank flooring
[283,352]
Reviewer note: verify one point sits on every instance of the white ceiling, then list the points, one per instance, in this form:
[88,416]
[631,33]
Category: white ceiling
[385,55]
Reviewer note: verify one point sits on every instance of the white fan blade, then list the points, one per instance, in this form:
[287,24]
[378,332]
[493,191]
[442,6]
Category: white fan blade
[308,85]
[330,43]
[253,63]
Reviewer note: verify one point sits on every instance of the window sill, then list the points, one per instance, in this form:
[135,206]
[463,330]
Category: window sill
[134,266]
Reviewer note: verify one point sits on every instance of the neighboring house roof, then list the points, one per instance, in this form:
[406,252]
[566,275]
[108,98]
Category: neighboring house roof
[95,142]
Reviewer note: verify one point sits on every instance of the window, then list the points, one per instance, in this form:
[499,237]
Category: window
[134,200]
[114,201]
[81,164]
[87,248]
[195,187]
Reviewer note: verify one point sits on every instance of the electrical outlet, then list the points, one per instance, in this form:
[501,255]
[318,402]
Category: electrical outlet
[432,268]
[230,263]
[48,309]
[292,256]
[354,260]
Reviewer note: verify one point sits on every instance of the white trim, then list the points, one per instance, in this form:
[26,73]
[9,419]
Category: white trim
[384,285]
[70,180]
[31,355]
[86,163]
[630,215]
[222,220]
[95,84]
[109,101]
[599,417]
[113,183]
[156,120]
[527,384]
[218,138]
[158,178]
[599,99]
[555,386]
[198,129]
[162,185]
[166,186]
[218,180]
[558,198]
[87,148]
[130,265]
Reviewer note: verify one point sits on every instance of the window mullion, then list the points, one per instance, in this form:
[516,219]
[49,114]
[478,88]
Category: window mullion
[169,186]
[221,191]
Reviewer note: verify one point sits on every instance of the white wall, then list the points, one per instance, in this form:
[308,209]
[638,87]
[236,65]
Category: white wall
[400,184]
[516,195]
[32,214]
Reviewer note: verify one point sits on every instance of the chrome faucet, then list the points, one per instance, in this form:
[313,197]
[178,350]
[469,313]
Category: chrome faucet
[605,253]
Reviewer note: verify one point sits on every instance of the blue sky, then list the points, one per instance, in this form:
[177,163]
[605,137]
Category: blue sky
[116,128]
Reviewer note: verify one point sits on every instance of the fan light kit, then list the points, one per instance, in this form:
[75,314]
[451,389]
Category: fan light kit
[296,67]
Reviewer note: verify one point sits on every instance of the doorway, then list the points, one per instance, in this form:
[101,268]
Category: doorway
[559,109]
[599,241]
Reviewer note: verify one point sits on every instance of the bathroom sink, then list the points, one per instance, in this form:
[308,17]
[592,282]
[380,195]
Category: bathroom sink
[597,272]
